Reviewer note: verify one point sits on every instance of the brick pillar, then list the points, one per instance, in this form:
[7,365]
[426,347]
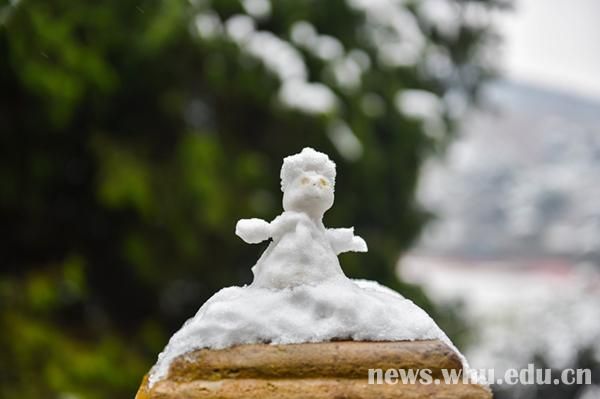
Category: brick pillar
[314,370]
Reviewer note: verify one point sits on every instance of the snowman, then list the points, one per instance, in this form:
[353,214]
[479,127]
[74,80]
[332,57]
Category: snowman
[302,250]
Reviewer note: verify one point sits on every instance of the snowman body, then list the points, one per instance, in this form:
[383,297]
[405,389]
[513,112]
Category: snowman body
[302,250]
[300,253]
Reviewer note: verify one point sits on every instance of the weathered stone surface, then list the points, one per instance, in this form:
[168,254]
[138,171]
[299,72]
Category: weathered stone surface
[314,370]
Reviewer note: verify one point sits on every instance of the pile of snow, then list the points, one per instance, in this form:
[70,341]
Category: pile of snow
[337,309]
[300,293]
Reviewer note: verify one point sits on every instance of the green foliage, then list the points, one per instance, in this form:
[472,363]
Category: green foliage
[44,349]
[130,143]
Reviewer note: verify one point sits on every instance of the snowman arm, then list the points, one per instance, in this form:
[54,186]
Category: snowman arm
[344,240]
[253,230]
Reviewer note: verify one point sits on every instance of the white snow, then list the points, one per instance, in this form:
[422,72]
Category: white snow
[239,27]
[339,308]
[310,98]
[361,58]
[344,140]
[259,9]
[418,103]
[278,55]
[393,30]
[441,14]
[347,73]
[300,293]
[326,47]
[208,25]
[283,59]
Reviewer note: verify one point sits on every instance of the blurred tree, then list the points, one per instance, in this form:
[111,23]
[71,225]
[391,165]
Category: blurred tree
[135,133]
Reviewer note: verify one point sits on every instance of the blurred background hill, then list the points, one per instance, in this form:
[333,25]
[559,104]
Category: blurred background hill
[521,181]
[516,238]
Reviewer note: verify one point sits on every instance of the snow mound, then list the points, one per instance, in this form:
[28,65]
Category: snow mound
[357,310]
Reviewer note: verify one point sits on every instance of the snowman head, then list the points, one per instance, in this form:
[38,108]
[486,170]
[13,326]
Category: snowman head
[307,182]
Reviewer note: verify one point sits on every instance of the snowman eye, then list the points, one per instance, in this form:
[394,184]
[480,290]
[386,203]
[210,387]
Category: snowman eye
[323,182]
[304,180]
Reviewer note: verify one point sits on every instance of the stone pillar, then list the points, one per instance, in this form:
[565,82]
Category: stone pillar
[314,370]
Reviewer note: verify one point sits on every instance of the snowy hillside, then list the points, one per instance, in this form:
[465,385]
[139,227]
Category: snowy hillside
[524,179]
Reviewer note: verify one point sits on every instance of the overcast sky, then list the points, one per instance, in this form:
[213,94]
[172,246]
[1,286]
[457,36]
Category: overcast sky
[554,43]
